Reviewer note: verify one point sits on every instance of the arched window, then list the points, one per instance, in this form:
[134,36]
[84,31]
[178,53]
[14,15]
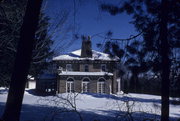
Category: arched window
[70,85]
[85,85]
[101,85]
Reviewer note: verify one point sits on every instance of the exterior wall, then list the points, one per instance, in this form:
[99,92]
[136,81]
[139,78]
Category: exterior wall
[31,84]
[114,83]
[94,66]
[77,84]
[92,84]
[75,66]
[62,86]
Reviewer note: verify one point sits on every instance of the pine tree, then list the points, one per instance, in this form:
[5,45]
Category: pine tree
[42,52]
[159,29]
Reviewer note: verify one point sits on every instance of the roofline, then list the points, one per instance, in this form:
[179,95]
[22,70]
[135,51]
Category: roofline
[80,58]
[83,59]
[74,73]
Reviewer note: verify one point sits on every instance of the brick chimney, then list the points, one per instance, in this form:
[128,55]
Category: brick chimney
[86,51]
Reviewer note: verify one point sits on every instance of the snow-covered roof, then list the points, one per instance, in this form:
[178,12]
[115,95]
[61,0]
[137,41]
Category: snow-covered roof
[76,55]
[85,73]
[30,77]
[47,76]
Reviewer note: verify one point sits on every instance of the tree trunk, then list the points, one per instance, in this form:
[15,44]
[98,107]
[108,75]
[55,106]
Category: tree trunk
[22,62]
[165,61]
[134,82]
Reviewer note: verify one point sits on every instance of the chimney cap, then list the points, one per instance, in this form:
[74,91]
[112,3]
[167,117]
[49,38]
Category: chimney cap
[86,38]
[89,38]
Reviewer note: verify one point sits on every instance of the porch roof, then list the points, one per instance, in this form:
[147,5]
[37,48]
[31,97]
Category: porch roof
[85,73]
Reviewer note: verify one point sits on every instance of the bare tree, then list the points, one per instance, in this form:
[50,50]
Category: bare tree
[12,13]
[129,109]
[60,104]
[51,37]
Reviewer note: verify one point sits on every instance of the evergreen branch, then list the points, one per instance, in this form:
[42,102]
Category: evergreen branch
[132,37]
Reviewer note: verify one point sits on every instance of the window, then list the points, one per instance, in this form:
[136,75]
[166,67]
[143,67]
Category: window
[103,67]
[85,85]
[86,68]
[101,86]
[68,67]
[70,85]
[60,69]
[118,85]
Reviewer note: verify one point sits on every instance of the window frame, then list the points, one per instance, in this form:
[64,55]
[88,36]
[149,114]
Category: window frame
[71,83]
[101,86]
[86,65]
[85,81]
[68,68]
[104,68]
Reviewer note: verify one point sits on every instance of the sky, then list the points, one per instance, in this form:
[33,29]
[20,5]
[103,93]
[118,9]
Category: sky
[89,20]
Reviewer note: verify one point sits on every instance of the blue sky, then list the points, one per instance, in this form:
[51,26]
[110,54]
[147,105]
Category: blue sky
[90,20]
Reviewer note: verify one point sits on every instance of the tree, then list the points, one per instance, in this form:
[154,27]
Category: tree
[159,29]
[22,62]
[137,63]
[12,13]
[164,52]
[133,55]
[42,52]
[9,36]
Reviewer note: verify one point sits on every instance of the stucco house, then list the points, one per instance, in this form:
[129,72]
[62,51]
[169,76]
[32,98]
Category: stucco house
[86,71]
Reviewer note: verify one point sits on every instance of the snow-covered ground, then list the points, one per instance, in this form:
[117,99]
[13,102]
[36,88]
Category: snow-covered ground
[89,107]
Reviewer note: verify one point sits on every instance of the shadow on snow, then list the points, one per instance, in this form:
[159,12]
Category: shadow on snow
[46,113]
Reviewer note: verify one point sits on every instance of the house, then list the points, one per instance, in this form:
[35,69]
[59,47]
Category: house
[46,83]
[31,82]
[86,70]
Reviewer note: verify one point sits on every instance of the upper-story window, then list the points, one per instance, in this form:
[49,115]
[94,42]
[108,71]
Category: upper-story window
[103,67]
[86,68]
[68,67]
